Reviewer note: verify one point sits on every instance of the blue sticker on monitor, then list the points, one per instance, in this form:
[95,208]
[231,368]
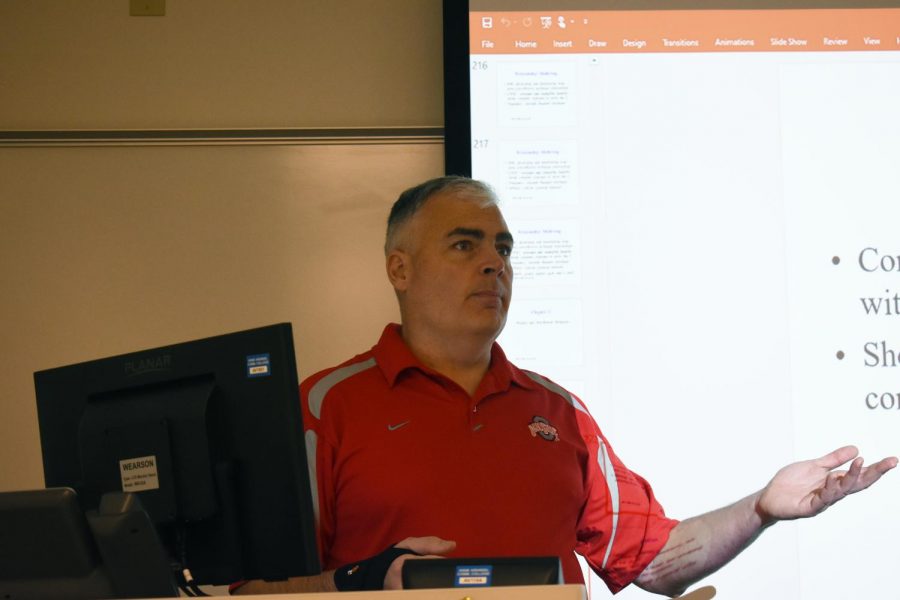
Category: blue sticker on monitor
[259,365]
[473,575]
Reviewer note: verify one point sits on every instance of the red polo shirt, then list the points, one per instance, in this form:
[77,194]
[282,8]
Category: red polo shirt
[520,468]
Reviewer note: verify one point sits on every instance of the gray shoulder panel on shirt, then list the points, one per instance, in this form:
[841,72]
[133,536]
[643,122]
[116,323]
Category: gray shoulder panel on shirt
[312,445]
[323,386]
[556,389]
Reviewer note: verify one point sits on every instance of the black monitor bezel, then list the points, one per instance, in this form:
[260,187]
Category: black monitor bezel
[457,109]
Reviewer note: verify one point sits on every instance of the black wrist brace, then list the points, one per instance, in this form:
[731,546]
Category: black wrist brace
[367,574]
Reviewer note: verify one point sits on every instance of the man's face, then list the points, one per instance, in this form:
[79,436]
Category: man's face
[452,270]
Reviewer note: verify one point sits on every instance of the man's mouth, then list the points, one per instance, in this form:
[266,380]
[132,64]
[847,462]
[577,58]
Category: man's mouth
[491,298]
[488,294]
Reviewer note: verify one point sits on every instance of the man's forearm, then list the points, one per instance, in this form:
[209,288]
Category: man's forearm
[313,583]
[701,545]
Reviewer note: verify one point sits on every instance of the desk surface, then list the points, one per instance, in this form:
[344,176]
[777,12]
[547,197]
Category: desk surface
[529,592]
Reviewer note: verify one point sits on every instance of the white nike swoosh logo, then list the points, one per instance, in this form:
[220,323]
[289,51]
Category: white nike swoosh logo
[397,426]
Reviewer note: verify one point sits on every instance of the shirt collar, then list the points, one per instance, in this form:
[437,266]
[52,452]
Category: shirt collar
[394,357]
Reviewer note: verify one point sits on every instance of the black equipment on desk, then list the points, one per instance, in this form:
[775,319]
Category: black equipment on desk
[419,573]
[50,549]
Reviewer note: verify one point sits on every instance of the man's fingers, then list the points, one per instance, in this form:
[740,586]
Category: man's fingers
[873,473]
[847,482]
[830,492]
[838,457]
[428,545]
[884,465]
[858,478]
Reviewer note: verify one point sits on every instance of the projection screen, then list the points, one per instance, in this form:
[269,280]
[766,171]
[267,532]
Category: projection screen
[705,202]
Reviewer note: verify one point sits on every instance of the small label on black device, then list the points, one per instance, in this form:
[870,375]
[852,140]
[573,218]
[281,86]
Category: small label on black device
[258,365]
[139,474]
[473,576]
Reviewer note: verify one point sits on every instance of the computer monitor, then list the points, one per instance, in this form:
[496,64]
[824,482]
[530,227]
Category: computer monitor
[208,434]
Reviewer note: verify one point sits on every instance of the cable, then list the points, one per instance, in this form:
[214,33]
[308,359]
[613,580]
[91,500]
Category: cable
[186,581]
[193,587]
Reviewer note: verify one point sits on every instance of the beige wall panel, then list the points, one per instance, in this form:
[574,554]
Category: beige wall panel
[87,64]
[106,250]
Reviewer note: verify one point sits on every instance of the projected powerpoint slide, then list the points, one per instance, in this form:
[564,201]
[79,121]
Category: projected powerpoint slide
[547,253]
[537,94]
[557,323]
[842,199]
[542,172]
[705,207]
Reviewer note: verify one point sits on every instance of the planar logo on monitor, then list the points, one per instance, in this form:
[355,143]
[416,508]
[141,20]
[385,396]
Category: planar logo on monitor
[148,365]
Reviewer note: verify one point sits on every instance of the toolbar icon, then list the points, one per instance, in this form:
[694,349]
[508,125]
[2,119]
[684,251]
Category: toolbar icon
[487,22]
[546,22]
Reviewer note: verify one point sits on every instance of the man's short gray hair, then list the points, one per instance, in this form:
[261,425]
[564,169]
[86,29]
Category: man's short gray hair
[411,200]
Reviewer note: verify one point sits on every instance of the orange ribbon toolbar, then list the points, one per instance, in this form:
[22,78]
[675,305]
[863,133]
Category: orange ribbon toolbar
[809,30]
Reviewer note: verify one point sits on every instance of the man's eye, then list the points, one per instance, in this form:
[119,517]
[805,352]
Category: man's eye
[463,245]
[504,250]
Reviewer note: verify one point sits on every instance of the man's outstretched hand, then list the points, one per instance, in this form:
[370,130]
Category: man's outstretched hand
[803,489]
[806,488]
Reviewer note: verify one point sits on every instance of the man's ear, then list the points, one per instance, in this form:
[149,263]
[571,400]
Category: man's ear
[399,269]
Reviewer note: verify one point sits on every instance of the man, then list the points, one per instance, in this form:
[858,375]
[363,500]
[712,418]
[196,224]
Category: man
[434,436]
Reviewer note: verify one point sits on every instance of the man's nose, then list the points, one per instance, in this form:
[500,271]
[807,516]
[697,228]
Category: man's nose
[494,264]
